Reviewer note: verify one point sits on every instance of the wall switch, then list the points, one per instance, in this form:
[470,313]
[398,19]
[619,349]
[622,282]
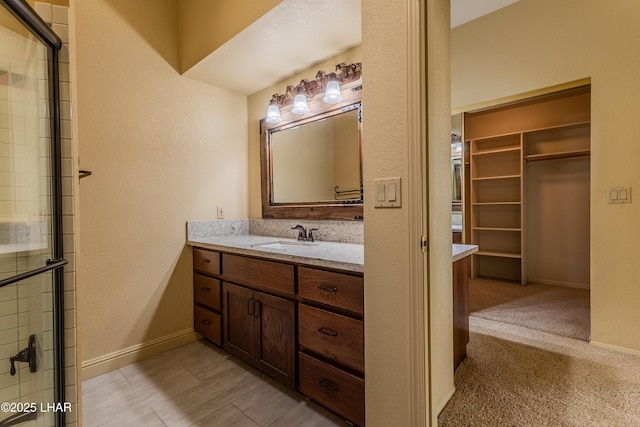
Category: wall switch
[220,212]
[619,195]
[388,193]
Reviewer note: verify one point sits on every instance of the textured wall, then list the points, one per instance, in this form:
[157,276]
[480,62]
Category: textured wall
[534,44]
[163,149]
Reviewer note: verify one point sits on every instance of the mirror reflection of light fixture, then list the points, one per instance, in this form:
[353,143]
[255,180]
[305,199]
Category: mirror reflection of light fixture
[273,113]
[300,105]
[327,83]
[332,92]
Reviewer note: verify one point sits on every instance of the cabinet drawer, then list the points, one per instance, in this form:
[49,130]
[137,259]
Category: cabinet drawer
[206,261]
[336,289]
[268,275]
[339,391]
[206,291]
[335,337]
[208,324]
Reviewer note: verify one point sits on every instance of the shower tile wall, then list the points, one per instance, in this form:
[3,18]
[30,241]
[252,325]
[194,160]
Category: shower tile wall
[12,302]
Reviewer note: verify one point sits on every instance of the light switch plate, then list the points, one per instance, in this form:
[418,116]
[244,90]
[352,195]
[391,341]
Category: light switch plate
[220,212]
[619,195]
[388,193]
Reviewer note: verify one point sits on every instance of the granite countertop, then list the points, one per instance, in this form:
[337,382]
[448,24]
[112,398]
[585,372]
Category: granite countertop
[341,256]
[460,251]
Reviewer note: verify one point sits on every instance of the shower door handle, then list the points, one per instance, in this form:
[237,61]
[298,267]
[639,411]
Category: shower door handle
[51,264]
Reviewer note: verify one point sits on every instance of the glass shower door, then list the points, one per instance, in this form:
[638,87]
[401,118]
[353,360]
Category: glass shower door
[30,247]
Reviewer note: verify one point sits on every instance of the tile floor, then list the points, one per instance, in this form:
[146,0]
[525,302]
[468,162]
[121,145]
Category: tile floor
[196,385]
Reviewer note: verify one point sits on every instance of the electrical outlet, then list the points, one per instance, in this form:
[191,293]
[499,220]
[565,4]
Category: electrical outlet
[220,212]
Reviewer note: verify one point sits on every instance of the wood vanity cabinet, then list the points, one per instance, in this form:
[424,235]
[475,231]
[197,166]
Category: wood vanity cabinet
[331,340]
[207,295]
[461,273]
[303,326]
[260,329]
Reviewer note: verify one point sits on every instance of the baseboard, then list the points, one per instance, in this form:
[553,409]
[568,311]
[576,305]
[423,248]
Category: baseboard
[444,402]
[558,283]
[616,348]
[112,361]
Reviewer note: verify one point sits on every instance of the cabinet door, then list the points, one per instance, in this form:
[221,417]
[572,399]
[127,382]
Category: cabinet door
[275,337]
[239,308]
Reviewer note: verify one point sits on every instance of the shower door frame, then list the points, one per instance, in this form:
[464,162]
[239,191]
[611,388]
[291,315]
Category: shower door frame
[30,19]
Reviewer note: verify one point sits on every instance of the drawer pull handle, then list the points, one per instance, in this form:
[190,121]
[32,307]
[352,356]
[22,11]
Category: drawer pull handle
[205,289]
[251,306]
[206,261]
[327,288]
[328,385]
[206,322]
[327,332]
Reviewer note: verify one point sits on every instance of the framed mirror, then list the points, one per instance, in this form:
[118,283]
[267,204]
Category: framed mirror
[311,165]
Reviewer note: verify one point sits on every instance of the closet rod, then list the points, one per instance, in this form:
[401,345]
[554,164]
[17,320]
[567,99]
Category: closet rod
[552,156]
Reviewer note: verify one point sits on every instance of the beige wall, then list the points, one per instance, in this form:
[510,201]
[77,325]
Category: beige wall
[197,19]
[534,44]
[257,109]
[163,149]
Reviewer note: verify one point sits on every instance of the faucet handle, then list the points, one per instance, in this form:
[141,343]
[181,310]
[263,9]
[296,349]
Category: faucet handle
[310,235]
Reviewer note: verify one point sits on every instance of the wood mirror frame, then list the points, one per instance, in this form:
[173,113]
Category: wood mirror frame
[345,210]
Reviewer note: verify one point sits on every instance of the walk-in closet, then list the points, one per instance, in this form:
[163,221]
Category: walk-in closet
[527,201]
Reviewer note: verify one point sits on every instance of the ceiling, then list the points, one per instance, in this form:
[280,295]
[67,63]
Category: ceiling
[292,37]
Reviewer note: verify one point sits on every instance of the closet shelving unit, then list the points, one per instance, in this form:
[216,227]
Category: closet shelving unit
[496,206]
[497,175]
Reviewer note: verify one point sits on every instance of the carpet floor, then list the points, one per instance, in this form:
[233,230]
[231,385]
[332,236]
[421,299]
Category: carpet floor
[555,309]
[516,376]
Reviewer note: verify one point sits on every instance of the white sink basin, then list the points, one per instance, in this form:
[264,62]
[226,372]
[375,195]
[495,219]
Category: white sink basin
[284,244]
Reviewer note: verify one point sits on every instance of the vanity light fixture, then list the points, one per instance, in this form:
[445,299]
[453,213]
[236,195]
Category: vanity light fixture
[327,83]
[332,92]
[273,113]
[300,105]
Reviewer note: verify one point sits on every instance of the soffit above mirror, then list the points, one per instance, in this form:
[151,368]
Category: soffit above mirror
[290,38]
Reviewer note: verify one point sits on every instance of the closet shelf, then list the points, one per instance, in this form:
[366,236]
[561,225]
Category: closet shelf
[557,155]
[496,229]
[496,151]
[496,177]
[495,203]
[498,254]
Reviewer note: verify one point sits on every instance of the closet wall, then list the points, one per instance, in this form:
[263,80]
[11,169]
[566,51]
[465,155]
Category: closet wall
[528,183]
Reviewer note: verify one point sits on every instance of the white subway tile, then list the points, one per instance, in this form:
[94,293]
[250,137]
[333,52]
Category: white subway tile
[44,10]
[59,14]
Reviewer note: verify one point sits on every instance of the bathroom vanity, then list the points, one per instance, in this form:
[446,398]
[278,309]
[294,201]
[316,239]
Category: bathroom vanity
[279,304]
[295,311]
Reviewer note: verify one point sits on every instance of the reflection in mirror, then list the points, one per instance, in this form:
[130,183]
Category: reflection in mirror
[317,161]
[456,161]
